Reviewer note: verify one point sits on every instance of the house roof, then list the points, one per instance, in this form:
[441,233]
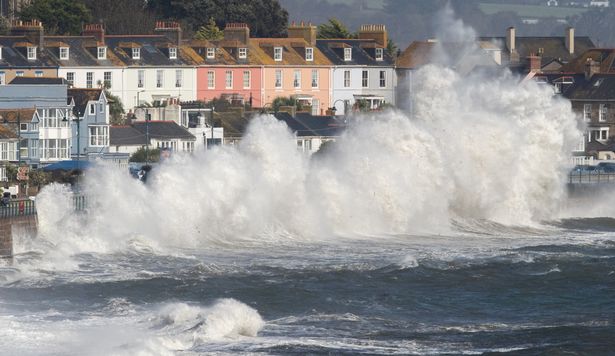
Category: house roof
[363,52]
[125,136]
[154,50]
[137,133]
[604,56]
[38,81]
[83,52]
[304,124]
[293,53]
[599,87]
[416,55]
[6,133]
[14,54]
[12,115]
[568,82]
[82,96]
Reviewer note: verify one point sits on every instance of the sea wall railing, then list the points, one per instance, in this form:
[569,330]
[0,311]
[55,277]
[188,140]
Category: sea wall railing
[18,207]
[582,177]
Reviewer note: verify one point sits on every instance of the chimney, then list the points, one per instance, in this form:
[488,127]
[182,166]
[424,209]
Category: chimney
[32,30]
[535,63]
[237,32]
[96,30]
[377,33]
[171,30]
[510,40]
[591,67]
[305,31]
[570,39]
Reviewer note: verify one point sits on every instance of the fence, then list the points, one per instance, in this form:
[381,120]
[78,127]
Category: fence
[18,207]
[597,176]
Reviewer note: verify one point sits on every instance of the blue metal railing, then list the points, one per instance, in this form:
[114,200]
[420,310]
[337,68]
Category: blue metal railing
[18,207]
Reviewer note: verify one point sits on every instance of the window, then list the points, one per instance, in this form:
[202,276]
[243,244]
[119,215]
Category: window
[243,53]
[297,79]
[314,78]
[141,78]
[278,78]
[23,148]
[31,53]
[19,73]
[159,78]
[2,78]
[347,54]
[558,88]
[92,109]
[602,113]
[379,54]
[38,73]
[102,52]
[346,79]
[23,126]
[211,79]
[99,135]
[211,52]
[587,112]
[107,79]
[70,78]
[89,79]
[229,79]
[246,79]
[364,79]
[64,53]
[277,54]
[136,53]
[101,108]
[309,54]
[383,79]
[172,53]
[54,149]
[179,78]
[0,52]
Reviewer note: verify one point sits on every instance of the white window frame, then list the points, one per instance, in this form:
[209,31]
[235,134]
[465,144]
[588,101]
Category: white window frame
[347,53]
[19,73]
[172,52]
[2,78]
[38,73]
[587,112]
[211,79]
[108,77]
[383,79]
[89,79]
[211,52]
[64,53]
[228,79]
[278,53]
[141,78]
[602,113]
[101,52]
[315,78]
[365,79]
[297,79]
[0,52]
[179,78]
[379,54]
[309,54]
[346,79]
[243,52]
[247,79]
[159,78]
[98,135]
[136,53]
[279,79]
[31,53]
[70,77]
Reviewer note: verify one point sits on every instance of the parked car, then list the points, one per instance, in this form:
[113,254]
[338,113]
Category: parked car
[584,169]
[605,167]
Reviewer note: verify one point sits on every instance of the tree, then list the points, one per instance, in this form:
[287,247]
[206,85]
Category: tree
[124,17]
[116,109]
[139,156]
[209,32]
[4,26]
[391,48]
[62,17]
[334,29]
[280,101]
[266,18]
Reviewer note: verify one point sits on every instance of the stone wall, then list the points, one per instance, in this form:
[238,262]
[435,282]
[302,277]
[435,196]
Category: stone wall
[14,226]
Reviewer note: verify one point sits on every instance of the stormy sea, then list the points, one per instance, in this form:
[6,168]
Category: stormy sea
[443,231]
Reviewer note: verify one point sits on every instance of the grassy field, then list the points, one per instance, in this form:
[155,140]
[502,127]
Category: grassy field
[532,11]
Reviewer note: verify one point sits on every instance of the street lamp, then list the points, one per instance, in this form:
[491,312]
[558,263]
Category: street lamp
[138,101]
[77,113]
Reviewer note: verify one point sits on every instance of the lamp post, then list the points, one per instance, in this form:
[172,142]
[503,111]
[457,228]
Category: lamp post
[77,118]
[148,117]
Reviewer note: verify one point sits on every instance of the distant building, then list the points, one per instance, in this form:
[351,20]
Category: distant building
[153,134]
[312,131]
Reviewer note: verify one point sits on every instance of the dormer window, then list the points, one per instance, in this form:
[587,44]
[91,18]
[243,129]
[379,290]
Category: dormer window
[32,53]
[243,53]
[277,54]
[211,53]
[309,54]
[102,52]
[172,53]
[136,53]
[64,53]
[379,54]
[347,54]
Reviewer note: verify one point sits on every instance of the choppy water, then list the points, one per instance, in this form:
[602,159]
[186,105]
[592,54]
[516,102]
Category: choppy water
[479,290]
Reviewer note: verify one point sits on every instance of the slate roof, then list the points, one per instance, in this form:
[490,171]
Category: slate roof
[82,51]
[38,81]
[82,96]
[293,52]
[6,133]
[10,115]
[605,56]
[305,125]
[599,87]
[417,54]
[363,52]
[154,50]
[568,81]
[125,136]
[135,134]
[14,54]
